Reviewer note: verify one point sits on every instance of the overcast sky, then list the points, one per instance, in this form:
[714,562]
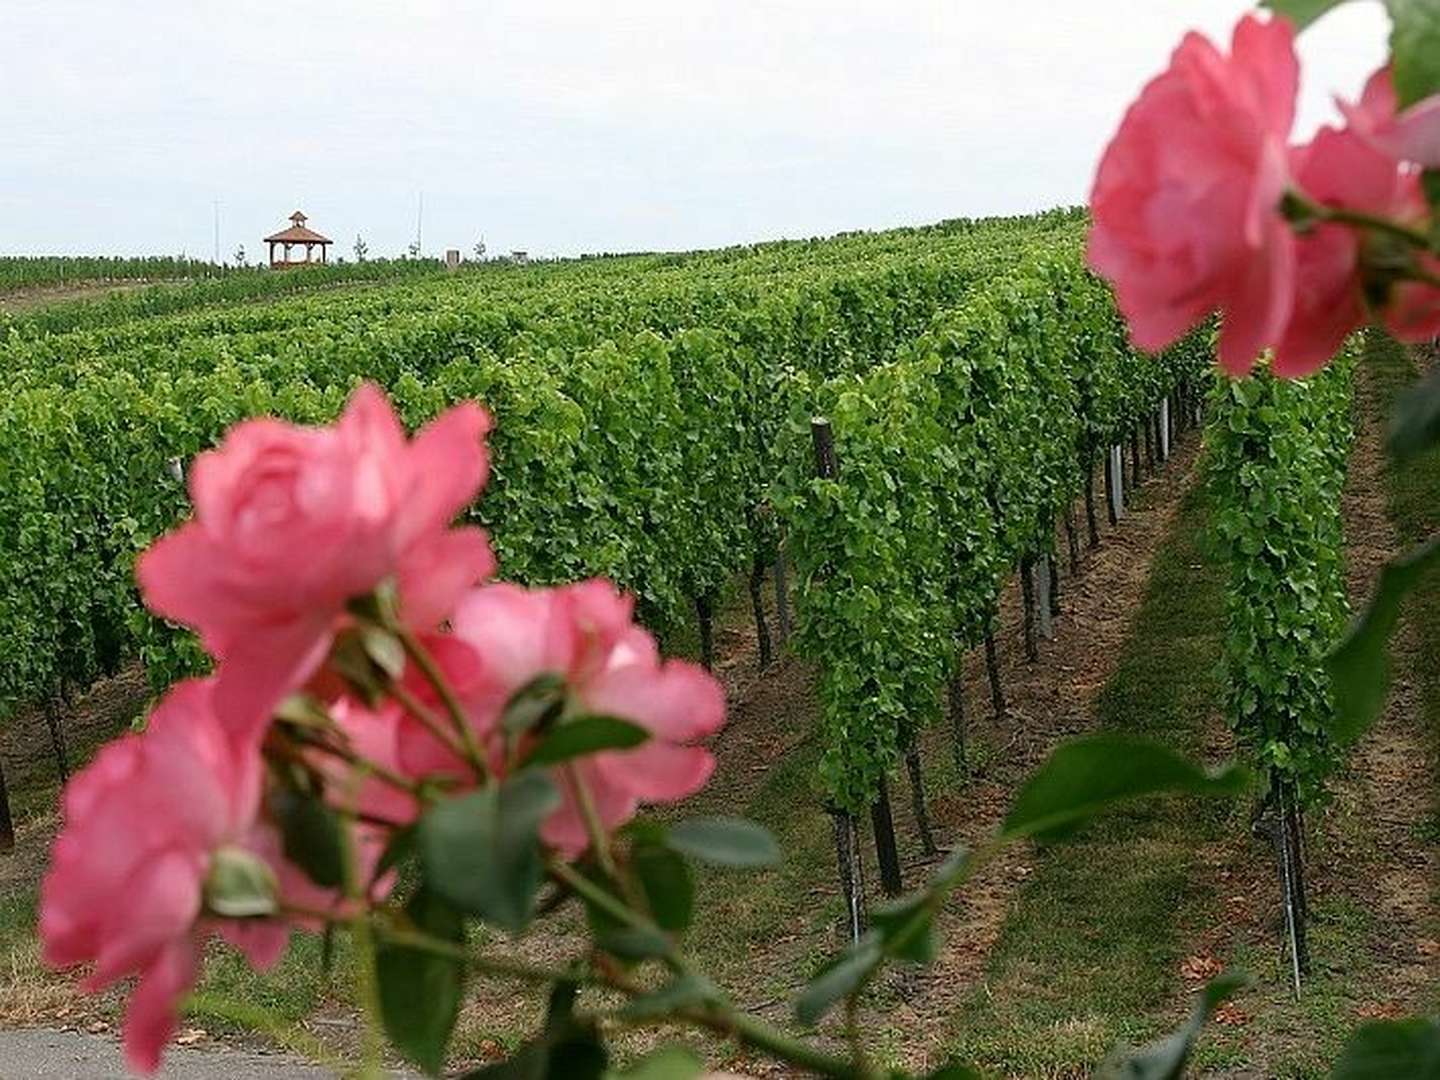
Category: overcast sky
[562,126]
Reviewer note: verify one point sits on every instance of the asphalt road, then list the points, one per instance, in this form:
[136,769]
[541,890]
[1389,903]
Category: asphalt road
[38,1054]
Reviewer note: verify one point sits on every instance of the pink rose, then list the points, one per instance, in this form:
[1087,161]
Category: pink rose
[1412,135]
[291,523]
[585,634]
[125,889]
[1186,199]
[1341,169]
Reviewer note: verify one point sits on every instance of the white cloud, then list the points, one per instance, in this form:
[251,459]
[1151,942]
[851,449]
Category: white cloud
[561,126]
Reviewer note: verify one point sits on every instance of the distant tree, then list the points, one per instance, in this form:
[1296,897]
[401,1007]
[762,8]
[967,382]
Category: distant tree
[480,250]
[362,249]
[240,256]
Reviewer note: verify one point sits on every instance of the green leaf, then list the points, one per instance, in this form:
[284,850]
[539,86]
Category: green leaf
[1391,1048]
[667,1063]
[724,841]
[481,851]
[1085,776]
[384,648]
[420,990]
[240,885]
[1165,1059]
[906,929]
[566,1049]
[1359,666]
[669,888]
[841,978]
[1415,423]
[535,705]
[311,834]
[682,992]
[634,943]
[1414,48]
[587,735]
[952,1071]
[1302,12]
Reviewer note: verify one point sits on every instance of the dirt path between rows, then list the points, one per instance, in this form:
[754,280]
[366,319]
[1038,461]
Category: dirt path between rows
[1048,702]
[771,723]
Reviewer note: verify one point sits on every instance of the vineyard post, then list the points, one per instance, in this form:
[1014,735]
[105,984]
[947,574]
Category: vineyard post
[704,615]
[57,738]
[1054,592]
[1135,454]
[827,467]
[1088,465]
[852,869]
[917,798]
[1027,593]
[992,669]
[1044,593]
[1115,485]
[887,851]
[1166,432]
[782,597]
[1072,536]
[757,604]
[957,711]
[7,823]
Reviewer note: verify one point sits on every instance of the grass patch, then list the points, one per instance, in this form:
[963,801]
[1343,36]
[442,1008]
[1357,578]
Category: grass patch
[1413,501]
[1089,954]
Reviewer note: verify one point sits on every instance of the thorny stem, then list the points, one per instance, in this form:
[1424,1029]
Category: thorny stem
[720,1017]
[1305,207]
[594,828]
[426,663]
[427,718]
[380,772]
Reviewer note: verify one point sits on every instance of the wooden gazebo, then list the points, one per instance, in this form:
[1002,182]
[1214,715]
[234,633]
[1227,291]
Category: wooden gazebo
[296,236]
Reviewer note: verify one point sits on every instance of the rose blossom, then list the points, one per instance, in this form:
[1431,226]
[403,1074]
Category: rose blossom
[1186,198]
[144,823]
[585,635]
[1340,169]
[292,522]
[1412,135]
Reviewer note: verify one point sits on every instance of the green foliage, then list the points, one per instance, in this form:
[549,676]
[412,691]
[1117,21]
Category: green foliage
[1302,12]
[1087,775]
[1415,49]
[954,460]
[1277,455]
[481,851]
[1386,1048]
[420,989]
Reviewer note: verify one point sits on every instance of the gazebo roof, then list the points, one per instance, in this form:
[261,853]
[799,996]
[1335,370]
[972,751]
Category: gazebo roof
[298,233]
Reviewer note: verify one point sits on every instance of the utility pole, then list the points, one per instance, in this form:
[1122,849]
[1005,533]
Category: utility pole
[420,226]
[217,232]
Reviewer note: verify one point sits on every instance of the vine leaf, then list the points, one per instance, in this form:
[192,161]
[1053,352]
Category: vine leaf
[481,851]
[1302,12]
[1415,49]
[1165,1059]
[724,842]
[1085,776]
[420,990]
[1359,665]
[1388,1048]
[1415,421]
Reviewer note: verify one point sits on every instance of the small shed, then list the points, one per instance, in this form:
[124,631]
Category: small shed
[297,236]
